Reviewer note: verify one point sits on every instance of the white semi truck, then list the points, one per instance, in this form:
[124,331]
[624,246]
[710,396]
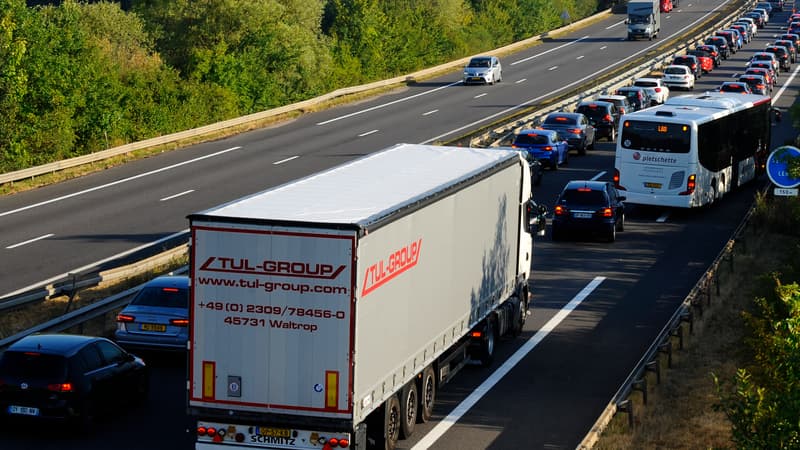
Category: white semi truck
[326,312]
[644,19]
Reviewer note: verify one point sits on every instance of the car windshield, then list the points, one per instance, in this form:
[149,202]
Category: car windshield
[675,70]
[645,83]
[630,94]
[33,366]
[165,297]
[590,112]
[583,197]
[479,63]
[531,139]
[560,120]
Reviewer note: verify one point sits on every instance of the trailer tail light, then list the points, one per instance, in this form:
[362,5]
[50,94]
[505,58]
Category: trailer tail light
[691,184]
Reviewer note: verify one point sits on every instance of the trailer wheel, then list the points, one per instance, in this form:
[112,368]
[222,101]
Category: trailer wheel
[487,344]
[409,405]
[427,394]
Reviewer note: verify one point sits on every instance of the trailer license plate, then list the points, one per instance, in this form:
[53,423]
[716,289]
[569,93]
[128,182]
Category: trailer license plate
[24,410]
[582,215]
[154,327]
[274,432]
[653,185]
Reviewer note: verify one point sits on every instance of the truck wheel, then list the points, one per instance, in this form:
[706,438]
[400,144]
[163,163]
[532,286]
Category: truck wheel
[519,321]
[409,405]
[427,394]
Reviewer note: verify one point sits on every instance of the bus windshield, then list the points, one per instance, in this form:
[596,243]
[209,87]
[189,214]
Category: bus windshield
[656,136]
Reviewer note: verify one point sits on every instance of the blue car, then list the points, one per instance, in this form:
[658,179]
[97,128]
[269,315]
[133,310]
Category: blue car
[546,146]
[158,317]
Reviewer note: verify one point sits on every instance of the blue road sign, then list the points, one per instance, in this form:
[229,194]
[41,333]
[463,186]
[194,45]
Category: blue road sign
[777,166]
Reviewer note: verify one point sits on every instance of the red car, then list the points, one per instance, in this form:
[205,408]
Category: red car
[705,58]
[666,5]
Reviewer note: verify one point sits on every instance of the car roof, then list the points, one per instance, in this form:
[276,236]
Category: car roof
[177,281]
[648,79]
[591,184]
[595,102]
[573,115]
[53,344]
[620,98]
[541,131]
[751,76]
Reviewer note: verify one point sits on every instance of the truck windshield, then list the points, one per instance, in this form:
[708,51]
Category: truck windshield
[633,18]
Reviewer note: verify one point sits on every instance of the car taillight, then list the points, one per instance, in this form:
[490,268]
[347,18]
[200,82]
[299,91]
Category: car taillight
[658,89]
[125,318]
[547,148]
[691,184]
[607,118]
[60,387]
[560,210]
[574,130]
[179,322]
[607,212]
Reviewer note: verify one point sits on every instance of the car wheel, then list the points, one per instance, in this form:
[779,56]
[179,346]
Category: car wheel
[612,234]
[554,163]
[566,158]
[556,234]
[591,145]
[612,136]
[621,223]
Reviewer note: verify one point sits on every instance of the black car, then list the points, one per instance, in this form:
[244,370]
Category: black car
[782,54]
[68,377]
[690,61]
[589,207]
[790,46]
[721,43]
[575,127]
[637,96]
[604,116]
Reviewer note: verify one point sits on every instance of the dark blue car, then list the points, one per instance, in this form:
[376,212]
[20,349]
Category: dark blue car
[589,208]
[546,146]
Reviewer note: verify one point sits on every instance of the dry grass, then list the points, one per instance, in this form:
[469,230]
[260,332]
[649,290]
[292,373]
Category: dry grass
[680,411]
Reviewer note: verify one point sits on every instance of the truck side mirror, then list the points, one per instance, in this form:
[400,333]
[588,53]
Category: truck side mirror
[535,217]
[776,113]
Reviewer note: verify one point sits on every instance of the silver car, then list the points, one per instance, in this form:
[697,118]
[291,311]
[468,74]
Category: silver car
[483,70]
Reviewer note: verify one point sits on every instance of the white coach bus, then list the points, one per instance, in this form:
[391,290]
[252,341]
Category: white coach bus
[693,149]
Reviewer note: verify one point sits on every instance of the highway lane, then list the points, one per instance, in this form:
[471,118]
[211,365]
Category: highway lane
[551,398]
[52,230]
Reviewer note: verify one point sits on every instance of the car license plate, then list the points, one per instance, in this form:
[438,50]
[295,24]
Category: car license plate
[154,327]
[274,432]
[582,215]
[23,410]
[653,185]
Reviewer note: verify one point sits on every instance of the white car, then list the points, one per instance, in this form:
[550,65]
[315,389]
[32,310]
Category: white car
[484,70]
[658,90]
[678,77]
[751,23]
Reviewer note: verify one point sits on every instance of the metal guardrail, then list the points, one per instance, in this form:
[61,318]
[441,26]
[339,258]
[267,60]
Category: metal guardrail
[256,118]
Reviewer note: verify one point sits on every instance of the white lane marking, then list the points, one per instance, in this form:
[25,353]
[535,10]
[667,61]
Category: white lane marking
[522,80]
[568,85]
[552,68]
[615,24]
[285,160]
[663,217]
[114,183]
[441,428]
[81,269]
[479,95]
[29,241]
[383,105]
[430,112]
[367,133]
[579,57]
[785,85]
[547,51]
[603,47]
[176,195]
[597,177]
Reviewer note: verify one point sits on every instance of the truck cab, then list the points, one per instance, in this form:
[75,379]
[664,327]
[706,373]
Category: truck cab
[644,19]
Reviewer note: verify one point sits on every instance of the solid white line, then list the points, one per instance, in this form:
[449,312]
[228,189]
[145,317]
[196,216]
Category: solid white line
[521,80]
[479,95]
[597,177]
[285,160]
[97,263]
[663,217]
[114,183]
[367,133]
[785,84]
[176,195]
[383,105]
[548,51]
[566,86]
[29,241]
[440,429]
[552,68]
[430,112]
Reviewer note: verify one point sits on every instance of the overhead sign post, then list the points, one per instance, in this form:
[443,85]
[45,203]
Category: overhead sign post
[778,170]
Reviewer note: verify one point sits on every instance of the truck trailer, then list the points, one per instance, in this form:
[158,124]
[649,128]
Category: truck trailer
[644,19]
[326,312]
